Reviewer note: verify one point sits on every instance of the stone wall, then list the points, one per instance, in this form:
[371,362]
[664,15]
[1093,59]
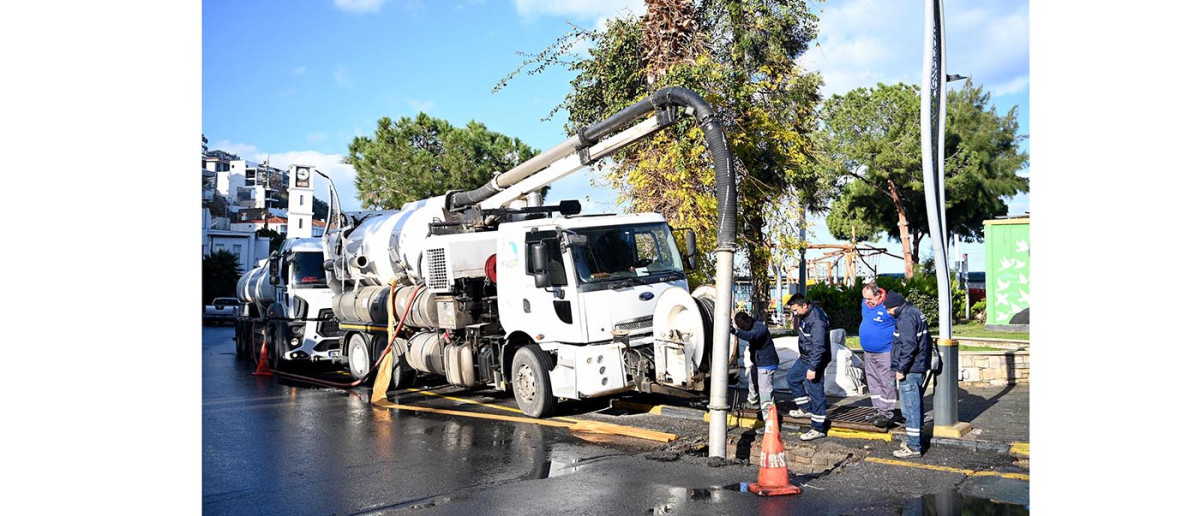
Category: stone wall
[993,367]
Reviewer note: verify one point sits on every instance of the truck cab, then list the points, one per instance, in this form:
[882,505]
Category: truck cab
[304,320]
[584,289]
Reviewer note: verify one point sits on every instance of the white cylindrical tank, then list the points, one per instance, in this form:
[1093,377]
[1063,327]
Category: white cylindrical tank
[255,286]
[388,247]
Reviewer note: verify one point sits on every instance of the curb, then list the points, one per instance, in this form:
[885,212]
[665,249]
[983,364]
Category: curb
[1014,449]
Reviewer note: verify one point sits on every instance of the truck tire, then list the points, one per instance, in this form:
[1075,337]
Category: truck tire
[531,381]
[239,340]
[276,347]
[358,355]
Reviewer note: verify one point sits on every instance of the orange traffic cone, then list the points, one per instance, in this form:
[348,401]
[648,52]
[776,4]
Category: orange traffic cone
[772,467]
[263,368]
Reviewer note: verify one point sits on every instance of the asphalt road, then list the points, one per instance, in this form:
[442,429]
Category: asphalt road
[272,446]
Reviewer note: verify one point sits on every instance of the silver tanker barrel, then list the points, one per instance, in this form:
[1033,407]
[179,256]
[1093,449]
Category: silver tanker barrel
[255,286]
[382,247]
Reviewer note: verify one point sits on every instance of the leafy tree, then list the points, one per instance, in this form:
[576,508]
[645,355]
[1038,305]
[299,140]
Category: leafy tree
[219,273]
[276,237]
[742,57]
[417,158]
[873,139]
[320,209]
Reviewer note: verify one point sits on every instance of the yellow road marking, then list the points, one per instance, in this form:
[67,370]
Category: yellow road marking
[967,472]
[1019,449]
[856,434]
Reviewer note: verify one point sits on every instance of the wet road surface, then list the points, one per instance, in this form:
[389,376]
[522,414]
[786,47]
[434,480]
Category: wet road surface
[272,446]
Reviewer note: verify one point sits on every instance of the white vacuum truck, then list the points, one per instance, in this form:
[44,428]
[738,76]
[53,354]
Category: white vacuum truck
[500,291]
[287,302]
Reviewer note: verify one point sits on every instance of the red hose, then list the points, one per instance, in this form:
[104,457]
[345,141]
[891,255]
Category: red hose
[386,350]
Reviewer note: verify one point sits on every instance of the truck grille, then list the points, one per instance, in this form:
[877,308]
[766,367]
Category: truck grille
[635,325]
[437,279]
[328,327]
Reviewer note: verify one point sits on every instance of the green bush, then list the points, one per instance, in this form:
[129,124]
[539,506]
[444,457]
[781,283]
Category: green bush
[843,304]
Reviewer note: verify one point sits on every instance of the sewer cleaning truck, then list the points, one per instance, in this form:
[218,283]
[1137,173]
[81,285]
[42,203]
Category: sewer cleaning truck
[287,303]
[491,288]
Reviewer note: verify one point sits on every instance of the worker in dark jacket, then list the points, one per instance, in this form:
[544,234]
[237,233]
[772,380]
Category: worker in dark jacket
[806,378]
[912,350]
[763,360]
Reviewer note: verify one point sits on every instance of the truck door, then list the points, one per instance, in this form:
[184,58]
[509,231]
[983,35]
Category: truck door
[552,309]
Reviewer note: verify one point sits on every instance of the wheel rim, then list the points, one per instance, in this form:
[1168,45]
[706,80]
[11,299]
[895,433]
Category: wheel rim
[358,359]
[525,384]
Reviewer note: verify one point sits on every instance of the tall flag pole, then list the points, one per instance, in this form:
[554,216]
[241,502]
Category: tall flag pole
[933,120]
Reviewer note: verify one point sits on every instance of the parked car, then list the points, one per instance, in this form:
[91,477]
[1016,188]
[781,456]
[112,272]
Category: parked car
[222,309]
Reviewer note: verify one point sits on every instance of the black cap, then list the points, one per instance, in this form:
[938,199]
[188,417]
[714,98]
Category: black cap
[893,300]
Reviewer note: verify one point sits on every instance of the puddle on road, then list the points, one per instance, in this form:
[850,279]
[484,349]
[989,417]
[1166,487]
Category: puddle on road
[553,468]
[942,504]
[952,502]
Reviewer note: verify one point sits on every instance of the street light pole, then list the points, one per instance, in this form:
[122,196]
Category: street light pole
[933,120]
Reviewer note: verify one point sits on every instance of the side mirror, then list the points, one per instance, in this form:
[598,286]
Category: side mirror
[690,252]
[539,264]
[273,269]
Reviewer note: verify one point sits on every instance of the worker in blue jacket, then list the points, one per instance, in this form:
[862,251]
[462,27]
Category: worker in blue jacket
[806,378]
[763,360]
[912,352]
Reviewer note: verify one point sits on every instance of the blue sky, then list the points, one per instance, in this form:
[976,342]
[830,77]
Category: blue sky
[296,81]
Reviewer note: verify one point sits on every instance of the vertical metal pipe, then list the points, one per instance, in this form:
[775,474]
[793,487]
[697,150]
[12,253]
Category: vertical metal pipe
[718,394]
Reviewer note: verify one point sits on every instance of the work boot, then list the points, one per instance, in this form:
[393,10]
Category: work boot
[881,421]
[811,434]
[799,413]
[905,452]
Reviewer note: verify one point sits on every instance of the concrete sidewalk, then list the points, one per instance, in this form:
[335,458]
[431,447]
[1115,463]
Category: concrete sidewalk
[999,417]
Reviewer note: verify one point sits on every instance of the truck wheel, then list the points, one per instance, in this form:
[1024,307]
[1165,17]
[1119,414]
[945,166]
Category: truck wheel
[358,355]
[239,340]
[276,347]
[531,381]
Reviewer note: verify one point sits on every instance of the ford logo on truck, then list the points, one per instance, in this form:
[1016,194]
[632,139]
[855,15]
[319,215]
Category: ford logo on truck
[646,296]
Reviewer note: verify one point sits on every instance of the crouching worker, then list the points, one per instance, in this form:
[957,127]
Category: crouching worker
[806,378]
[912,352]
[760,373]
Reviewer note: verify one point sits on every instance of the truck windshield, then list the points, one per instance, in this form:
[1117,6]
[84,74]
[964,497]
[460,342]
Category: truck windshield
[621,252]
[307,270]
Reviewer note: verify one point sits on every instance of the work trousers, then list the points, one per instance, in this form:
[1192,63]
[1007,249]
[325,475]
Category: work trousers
[808,392]
[911,406]
[881,381]
[761,386]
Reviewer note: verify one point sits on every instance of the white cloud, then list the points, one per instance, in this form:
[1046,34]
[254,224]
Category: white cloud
[342,174]
[863,42]
[300,70]
[579,11]
[316,137]
[341,77]
[1017,85]
[420,105]
[359,6]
